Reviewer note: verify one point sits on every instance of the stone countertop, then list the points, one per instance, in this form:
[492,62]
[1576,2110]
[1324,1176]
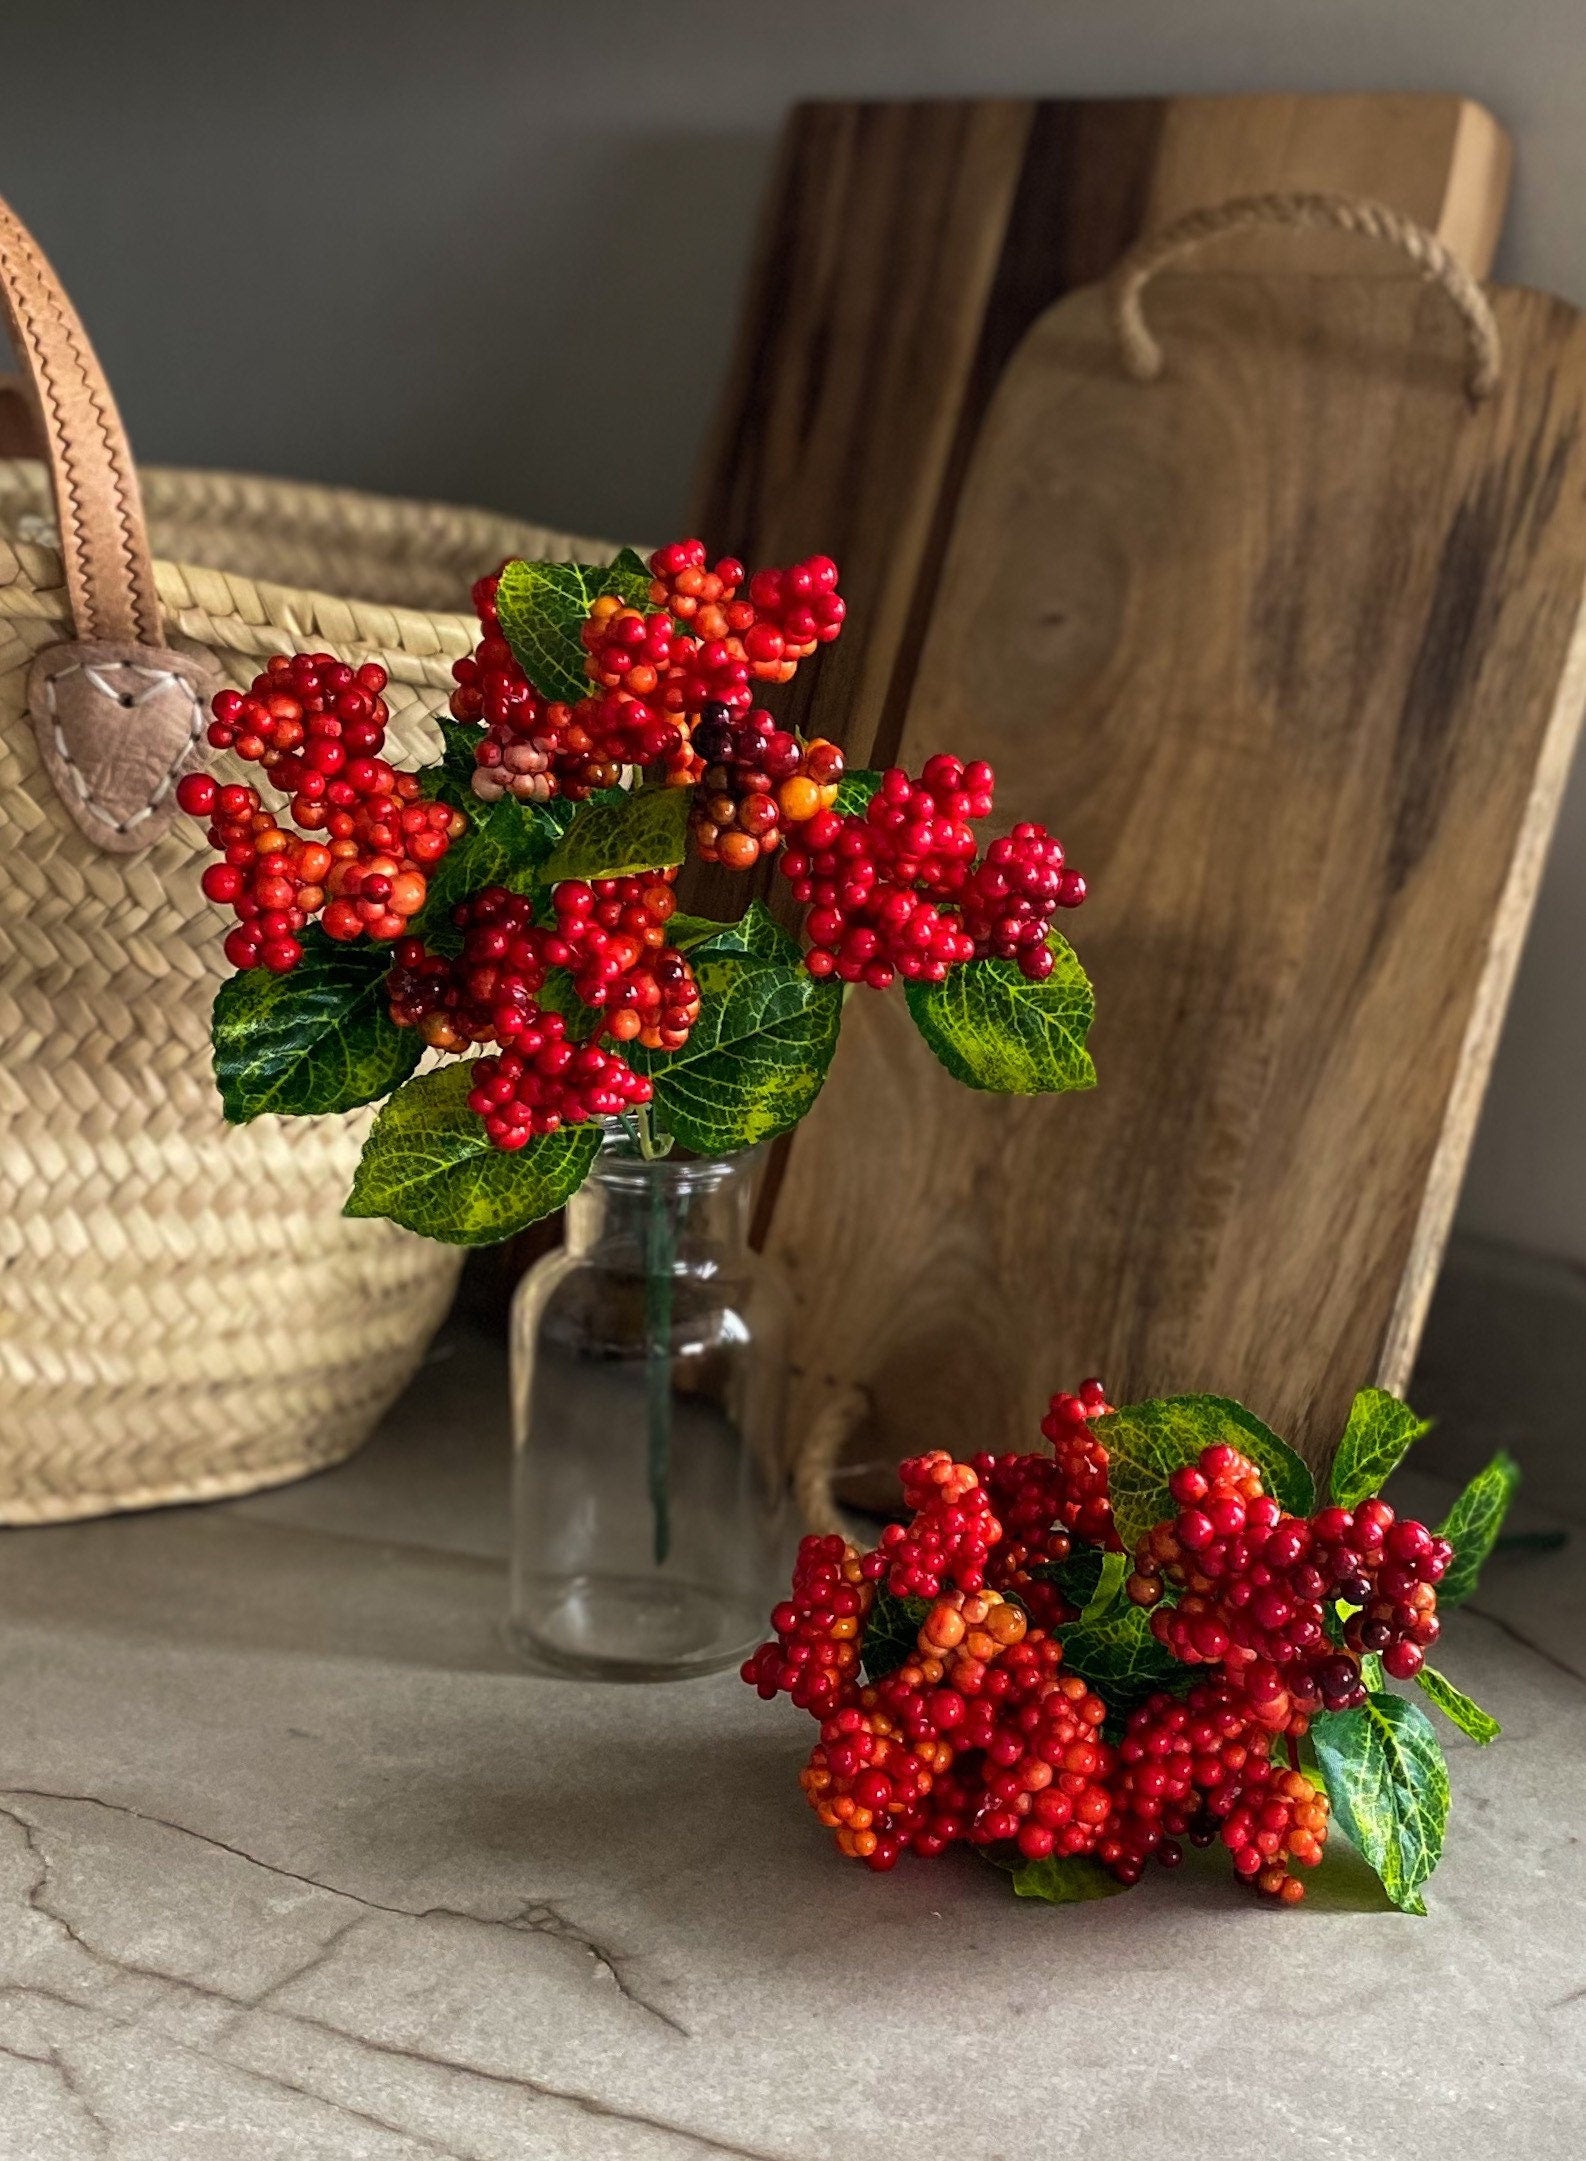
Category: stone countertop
[294,1863]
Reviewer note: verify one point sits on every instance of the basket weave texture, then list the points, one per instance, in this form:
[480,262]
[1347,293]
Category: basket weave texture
[184,1312]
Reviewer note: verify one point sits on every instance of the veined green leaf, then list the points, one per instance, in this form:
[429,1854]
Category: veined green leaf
[891,1633]
[622,832]
[429,1165]
[459,738]
[317,1039]
[507,843]
[1064,1879]
[1147,1442]
[1120,1658]
[1379,1432]
[688,931]
[855,789]
[1388,1786]
[1472,1526]
[756,1058]
[993,1028]
[542,607]
[1457,1707]
[756,931]
[1113,1575]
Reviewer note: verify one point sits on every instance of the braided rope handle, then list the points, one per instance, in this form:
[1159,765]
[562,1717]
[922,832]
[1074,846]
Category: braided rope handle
[815,1458]
[104,541]
[1142,355]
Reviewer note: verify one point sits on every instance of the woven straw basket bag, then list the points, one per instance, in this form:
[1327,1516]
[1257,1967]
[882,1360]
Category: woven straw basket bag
[184,1313]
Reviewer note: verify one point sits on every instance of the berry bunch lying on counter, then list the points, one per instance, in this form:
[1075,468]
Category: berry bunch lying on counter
[994,1674]
[524,906]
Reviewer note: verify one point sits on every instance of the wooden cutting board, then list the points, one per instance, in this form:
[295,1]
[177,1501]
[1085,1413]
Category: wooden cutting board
[1287,647]
[905,250]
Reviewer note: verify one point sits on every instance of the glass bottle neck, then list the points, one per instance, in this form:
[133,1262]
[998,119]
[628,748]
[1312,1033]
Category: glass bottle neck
[662,1217]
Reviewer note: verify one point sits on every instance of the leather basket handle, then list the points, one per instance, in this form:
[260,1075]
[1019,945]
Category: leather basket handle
[104,544]
[118,715]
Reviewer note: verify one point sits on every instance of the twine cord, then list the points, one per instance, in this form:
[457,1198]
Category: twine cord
[1142,355]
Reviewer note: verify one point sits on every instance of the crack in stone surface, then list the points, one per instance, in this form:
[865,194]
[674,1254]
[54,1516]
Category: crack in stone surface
[543,1917]
[225,2063]
[538,2089]
[51,2059]
[1529,1643]
[535,1917]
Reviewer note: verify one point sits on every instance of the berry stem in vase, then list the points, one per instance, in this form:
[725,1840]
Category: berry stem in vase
[659,1256]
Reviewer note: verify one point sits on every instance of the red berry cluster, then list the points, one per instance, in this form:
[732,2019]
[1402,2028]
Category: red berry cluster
[1257,1585]
[758,781]
[316,726]
[978,1737]
[815,1658]
[1192,1765]
[1009,896]
[1084,1505]
[895,889]
[487,993]
[702,643]
[951,1532]
[795,610]
[611,937]
[544,1082]
[531,748]
[1045,1502]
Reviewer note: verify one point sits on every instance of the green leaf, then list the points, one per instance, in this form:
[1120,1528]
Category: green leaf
[317,1039]
[542,607]
[452,779]
[1062,1880]
[756,931]
[1147,1442]
[757,1055]
[429,1165]
[1457,1707]
[1371,1673]
[623,831]
[1388,1785]
[1114,1573]
[1472,1526]
[688,931]
[506,843]
[891,1633]
[1078,1578]
[993,1028]
[855,789]
[1120,1658]
[1380,1431]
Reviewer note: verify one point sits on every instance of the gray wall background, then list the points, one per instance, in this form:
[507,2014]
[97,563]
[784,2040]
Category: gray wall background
[491,251]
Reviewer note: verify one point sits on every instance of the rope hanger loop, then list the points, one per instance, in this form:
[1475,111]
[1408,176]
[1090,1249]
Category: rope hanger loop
[1357,214]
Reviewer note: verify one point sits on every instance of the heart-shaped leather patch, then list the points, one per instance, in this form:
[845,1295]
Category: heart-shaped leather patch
[118,725]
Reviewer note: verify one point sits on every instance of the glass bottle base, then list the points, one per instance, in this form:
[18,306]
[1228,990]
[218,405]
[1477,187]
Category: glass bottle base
[633,1628]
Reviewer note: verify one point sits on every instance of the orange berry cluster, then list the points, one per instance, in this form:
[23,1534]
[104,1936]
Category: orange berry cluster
[758,781]
[317,727]
[977,1737]
[702,644]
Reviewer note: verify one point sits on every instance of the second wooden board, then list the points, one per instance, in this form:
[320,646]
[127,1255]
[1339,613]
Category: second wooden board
[1287,648]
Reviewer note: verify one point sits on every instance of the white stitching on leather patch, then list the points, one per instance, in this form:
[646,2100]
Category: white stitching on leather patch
[159,678]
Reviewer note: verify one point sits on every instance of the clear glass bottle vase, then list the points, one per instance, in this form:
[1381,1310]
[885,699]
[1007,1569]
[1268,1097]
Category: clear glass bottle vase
[651,1520]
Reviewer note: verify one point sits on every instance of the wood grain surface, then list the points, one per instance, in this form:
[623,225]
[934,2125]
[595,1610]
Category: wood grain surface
[906,248]
[1287,646]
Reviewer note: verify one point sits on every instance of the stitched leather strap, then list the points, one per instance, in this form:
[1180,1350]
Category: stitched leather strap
[104,543]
